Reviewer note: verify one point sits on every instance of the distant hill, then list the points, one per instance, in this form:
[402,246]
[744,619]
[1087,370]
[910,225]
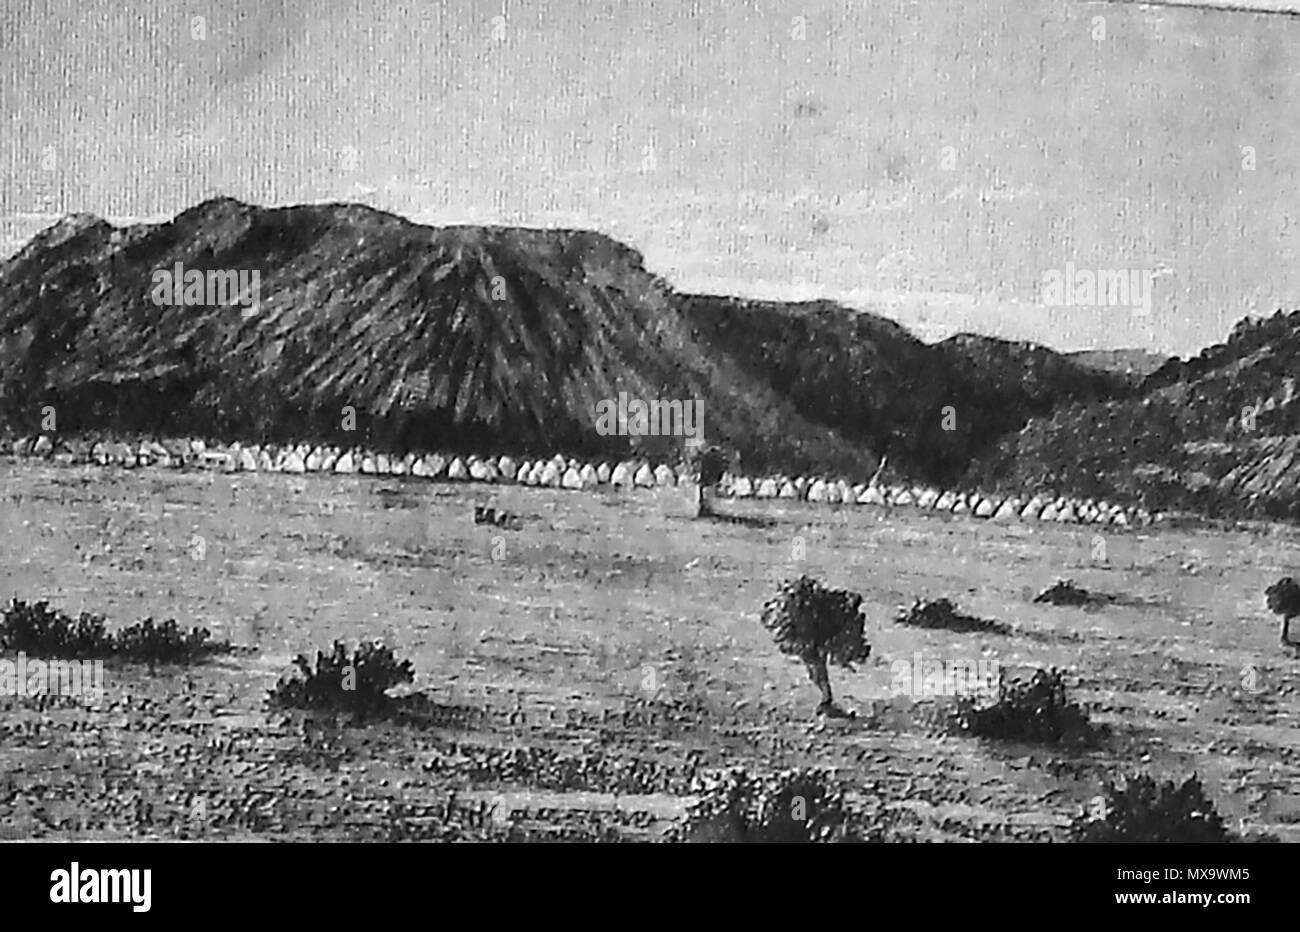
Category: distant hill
[1217,434]
[484,339]
[875,383]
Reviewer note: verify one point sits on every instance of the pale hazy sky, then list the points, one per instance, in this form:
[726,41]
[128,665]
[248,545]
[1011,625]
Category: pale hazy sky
[932,160]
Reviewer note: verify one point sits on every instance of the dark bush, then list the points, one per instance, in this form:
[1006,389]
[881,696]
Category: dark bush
[41,631]
[1065,592]
[1036,711]
[149,643]
[1146,811]
[941,613]
[357,684]
[36,629]
[793,806]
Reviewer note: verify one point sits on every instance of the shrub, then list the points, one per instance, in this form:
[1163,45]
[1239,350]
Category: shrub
[40,631]
[1036,711]
[1144,810]
[357,684]
[818,624]
[1065,592]
[940,613]
[165,643]
[792,806]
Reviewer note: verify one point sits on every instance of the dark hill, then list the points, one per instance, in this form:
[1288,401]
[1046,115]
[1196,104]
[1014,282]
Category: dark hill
[485,339]
[1003,383]
[1217,434]
[459,337]
[879,386]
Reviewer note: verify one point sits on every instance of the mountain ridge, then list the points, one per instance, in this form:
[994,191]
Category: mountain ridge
[462,335]
[489,338]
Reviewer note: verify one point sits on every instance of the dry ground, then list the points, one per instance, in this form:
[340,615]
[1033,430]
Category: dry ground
[588,662]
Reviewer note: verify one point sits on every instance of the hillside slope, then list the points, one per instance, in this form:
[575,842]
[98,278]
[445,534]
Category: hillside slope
[931,408]
[458,337]
[1217,434]
[483,339]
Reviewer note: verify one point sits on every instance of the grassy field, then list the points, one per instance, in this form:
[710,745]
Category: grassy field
[581,669]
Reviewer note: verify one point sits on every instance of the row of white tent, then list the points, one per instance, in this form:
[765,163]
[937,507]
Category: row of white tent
[557,471]
[565,473]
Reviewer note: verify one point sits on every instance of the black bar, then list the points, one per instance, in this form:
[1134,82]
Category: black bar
[333,881]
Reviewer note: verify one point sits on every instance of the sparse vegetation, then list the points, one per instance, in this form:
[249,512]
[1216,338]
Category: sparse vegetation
[356,684]
[941,613]
[792,806]
[556,745]
[1146,811]
[1035,711]
[817,624]
[41,631]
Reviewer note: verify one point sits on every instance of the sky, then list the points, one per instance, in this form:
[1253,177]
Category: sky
[937,161]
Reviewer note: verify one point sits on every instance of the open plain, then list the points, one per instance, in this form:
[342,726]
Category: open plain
[575,674]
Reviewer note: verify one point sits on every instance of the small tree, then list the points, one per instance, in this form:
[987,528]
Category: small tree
[818,624]
[707,464]
[1284,601]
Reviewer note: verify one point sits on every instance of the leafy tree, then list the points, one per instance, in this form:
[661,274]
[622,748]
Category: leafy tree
[1284,600]
[818,624]
[707,464]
